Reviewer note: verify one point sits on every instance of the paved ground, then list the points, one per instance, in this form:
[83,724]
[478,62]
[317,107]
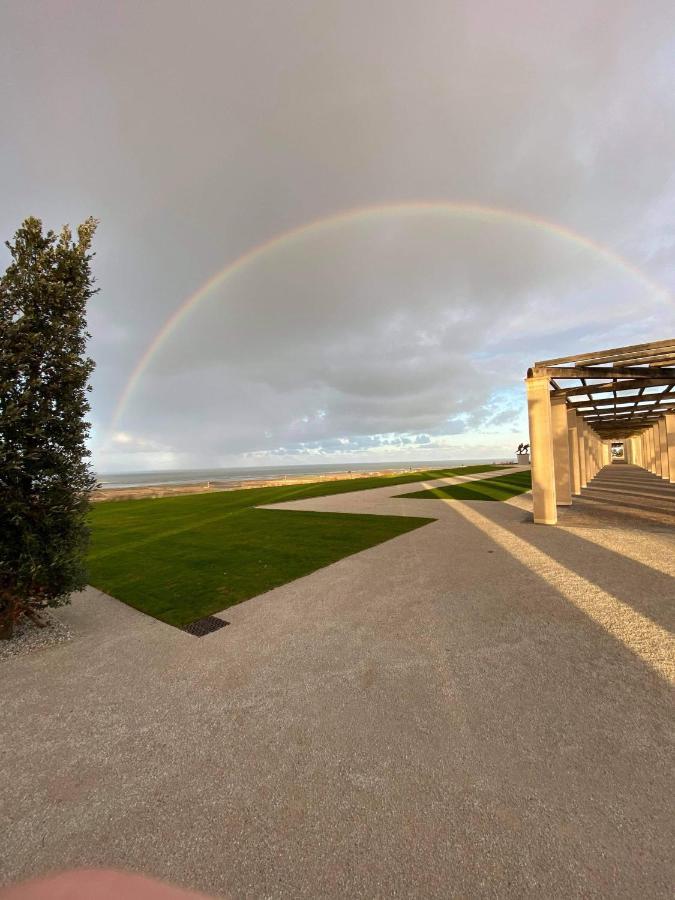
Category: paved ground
[479,708]
[624,495]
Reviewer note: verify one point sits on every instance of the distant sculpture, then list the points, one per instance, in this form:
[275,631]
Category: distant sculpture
[523,448]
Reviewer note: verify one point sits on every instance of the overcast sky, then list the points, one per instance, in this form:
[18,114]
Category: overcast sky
[196,131]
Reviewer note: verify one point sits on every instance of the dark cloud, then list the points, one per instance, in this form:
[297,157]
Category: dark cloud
[197,132]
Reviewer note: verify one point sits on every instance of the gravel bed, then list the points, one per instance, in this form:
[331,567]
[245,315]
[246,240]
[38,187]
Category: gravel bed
[29,637]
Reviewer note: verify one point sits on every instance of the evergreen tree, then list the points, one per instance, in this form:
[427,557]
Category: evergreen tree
[45,479]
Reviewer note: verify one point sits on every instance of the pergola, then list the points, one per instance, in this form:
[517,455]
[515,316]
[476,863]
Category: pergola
[578,405]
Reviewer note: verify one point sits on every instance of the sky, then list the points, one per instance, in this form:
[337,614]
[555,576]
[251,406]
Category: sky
[409,204]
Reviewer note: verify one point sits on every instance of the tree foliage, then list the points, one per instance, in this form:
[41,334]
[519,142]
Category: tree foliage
[45,477]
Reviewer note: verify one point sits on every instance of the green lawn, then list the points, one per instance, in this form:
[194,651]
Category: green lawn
[181,558]
[500,488]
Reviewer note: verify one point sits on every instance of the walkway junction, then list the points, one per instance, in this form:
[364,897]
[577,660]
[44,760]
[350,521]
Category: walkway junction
[578,406]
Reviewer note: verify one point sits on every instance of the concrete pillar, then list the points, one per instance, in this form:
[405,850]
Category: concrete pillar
[541,449]
[637,450]
[561,451]
[657,449]
[573,443]
[652,454]
[651,464]
[581,430]
[670,437]
[628,451]
[590,464]
[663,449]
[587,453]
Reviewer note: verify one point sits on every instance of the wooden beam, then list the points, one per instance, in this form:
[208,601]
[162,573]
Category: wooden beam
[621,417]
[610,401]
[620,426]
[605,372]
[613,386]
[608,355]
[643,411]
[649,359]
[655,400]
[592,402]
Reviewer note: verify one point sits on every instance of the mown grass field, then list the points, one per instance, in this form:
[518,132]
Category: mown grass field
[501,488]
[181,558]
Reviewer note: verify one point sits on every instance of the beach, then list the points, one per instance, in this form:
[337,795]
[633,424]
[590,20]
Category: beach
[170,490]
[171,484]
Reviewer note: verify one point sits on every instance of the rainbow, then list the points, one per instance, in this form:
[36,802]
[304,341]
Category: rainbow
[292,236]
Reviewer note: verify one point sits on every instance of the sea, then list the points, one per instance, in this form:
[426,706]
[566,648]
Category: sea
[250,473]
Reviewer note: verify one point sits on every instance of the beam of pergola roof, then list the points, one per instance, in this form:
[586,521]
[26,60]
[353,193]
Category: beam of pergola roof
[637,351]
[607,386]
[631,398]
[560,372]
[618,386]
[579,404]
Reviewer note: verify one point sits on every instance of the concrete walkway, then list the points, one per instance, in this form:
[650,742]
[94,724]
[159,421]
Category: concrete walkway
[479,708]
[627,496]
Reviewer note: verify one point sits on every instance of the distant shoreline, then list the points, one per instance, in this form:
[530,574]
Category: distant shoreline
[172,489]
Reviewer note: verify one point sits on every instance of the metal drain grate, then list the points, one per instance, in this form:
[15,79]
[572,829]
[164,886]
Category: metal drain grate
[205,626]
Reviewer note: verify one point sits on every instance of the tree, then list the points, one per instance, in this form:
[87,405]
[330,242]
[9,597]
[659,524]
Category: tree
[45,479]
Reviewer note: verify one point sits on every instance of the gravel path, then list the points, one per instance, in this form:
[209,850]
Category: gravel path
[479,708]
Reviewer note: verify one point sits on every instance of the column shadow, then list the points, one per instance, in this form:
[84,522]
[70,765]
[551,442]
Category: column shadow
[645,589]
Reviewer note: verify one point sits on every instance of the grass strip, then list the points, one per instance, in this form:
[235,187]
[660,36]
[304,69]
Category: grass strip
[181,558]
[501,488]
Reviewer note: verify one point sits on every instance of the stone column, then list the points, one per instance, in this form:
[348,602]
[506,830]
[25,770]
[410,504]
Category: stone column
[573,442]
[581,429]
[663,449]
[670,437]
[657,449]
[590,462]
[561,451]
[541,449]
[651,465]
[641,450]
[637,450]
[587,453]
[634,451]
